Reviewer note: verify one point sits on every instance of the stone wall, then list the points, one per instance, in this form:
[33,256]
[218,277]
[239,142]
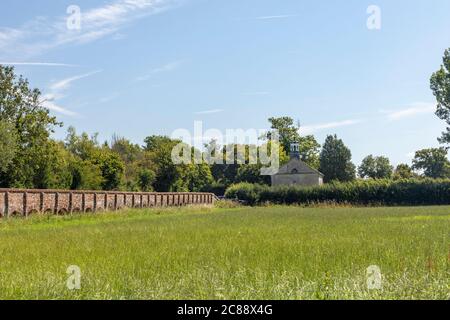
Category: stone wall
[26,202]
[310,179]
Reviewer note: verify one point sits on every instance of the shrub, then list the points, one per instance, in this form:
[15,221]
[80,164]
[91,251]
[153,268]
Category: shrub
[360,192]
[216,187]
[247,192]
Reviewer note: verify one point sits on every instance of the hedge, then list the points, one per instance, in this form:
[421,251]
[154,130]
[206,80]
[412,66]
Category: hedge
[217,188]
[359,192]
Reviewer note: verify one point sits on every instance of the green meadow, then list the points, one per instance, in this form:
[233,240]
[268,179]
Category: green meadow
[235,253]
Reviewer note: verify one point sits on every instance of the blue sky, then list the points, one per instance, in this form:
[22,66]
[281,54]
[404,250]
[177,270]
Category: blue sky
[142,67]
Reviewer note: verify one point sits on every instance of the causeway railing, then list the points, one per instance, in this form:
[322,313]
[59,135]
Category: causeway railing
[24,202]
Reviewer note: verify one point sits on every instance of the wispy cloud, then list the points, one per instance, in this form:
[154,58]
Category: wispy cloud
[309,129]
[412,110]
[49,103]
[56,92]
[168,67]
[37,64]
[109,98]
[65,83]
[43,33]
[171,66]
[210,111]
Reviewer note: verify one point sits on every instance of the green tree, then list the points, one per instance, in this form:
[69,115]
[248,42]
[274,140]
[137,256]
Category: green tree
[86,175]
[335,161]
[129,152]
[8,145]
[111,167]
[251,173]
[289,133]
[23,108]
[176,177]
[154,143]
[159,150]
[432,162]
[403,171]
[103,160]
[249,168]
[375,168]
[226,168]
[136,164]
[146,178]
[55,169]
[82,145]
[440,85]
[193,177]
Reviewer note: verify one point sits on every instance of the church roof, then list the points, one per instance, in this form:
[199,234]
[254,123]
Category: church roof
[297,166]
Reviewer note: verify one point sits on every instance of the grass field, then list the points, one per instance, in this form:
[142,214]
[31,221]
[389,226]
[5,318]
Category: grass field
[241,253]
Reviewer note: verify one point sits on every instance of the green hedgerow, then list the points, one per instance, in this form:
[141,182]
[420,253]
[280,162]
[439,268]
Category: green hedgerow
[359,192]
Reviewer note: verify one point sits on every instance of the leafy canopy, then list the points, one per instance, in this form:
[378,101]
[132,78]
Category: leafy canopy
[375,168]
[432,162]
[440,85]
[289,133]
[335,161]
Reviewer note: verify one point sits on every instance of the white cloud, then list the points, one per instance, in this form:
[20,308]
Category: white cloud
[109,98]
[65,83]
[42,34]
[164,68]
[412,110]
[8,35]
[168,67]
[210,111]
[309,129]
[56,93]
[48,102]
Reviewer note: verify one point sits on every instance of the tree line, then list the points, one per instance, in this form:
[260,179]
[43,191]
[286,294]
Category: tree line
[31,158]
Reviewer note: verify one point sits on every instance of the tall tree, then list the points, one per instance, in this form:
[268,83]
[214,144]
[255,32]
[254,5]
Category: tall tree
[93,160]
[335,160]
[137,172]
[111,166]
[23,108]
[55,167]
[375,168]
[432,162]
[146,178]
[440,85]
[86,175]
[289,133]
[128,151]
[160,149]
[192,177]
[403,171]
[82,145]
[8,145]
[251,173]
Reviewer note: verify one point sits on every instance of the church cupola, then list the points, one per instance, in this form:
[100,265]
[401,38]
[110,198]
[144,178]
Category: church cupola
[295,151]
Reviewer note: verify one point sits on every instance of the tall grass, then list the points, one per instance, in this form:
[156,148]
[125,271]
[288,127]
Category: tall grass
[237,253]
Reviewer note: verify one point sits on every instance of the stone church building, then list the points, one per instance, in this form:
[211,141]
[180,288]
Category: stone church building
[296,172]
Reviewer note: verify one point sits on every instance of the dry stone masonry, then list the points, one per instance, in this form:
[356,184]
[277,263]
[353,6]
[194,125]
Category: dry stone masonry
[17,202]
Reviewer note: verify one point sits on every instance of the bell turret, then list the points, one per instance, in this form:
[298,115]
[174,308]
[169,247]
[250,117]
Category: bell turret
[295,151]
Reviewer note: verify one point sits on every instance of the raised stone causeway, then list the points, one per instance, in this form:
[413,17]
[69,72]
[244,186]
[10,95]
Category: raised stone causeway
[18,202]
